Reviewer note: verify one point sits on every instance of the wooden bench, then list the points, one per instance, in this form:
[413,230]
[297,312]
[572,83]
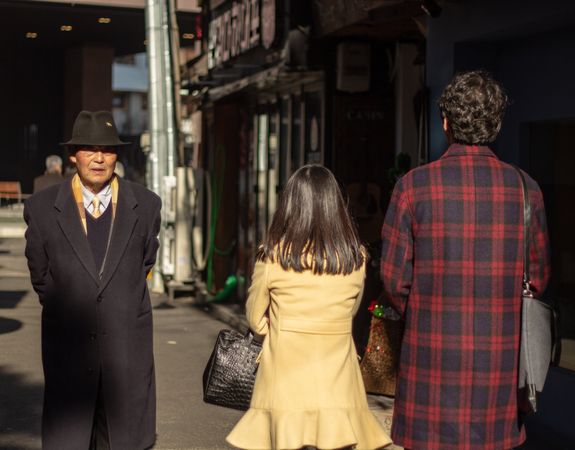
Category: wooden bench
[10,190]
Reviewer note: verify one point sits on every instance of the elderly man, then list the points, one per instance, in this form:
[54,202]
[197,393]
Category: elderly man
[90,243]
[452,262]
[52,176]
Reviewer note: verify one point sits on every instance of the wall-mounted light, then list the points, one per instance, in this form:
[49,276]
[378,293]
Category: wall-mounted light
[188,36]
[31,35]
[104,20]
[66,28]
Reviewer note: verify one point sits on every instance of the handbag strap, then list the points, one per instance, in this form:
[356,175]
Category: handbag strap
[526,233]
[556,338]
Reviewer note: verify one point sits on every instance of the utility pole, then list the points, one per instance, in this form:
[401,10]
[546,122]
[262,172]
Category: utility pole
[161,48]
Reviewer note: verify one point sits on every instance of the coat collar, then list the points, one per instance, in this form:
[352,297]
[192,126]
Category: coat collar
[70,222]
[71,225]
[468,150]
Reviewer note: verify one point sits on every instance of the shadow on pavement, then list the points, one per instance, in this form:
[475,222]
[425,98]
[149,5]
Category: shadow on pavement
[20,407]
[9,325]
[10,299]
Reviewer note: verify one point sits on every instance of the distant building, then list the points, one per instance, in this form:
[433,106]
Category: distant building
[130,94]
[61,63]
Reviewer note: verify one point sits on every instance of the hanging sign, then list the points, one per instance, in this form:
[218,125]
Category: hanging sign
[234,31]
[268,22]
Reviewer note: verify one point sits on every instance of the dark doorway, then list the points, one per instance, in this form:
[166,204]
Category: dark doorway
[552,164]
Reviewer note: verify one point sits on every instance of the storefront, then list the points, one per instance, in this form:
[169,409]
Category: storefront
[281,93]
[263,117]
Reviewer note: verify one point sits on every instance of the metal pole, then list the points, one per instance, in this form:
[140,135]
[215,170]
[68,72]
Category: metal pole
[169,49]
[157,117]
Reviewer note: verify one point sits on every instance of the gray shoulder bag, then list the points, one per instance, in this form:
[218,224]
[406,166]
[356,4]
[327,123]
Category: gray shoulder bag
[536,327]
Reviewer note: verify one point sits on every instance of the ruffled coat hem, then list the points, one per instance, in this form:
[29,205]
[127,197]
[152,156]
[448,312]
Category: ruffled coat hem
[263,429]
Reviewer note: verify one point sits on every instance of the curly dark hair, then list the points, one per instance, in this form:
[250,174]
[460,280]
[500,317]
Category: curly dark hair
[474,104]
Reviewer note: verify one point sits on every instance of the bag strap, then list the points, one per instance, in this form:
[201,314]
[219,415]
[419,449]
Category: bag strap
[556,339]
[526,233]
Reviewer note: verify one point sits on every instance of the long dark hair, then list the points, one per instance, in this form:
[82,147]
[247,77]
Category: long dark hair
[312,229]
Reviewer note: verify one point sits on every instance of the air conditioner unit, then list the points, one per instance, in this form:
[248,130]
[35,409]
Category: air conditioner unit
[353,66]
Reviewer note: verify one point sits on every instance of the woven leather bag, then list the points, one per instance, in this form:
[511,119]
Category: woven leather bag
[230,373]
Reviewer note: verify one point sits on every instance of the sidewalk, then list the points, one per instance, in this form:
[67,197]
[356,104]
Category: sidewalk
[12,223]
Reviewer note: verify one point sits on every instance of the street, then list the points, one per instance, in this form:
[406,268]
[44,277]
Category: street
[183,340]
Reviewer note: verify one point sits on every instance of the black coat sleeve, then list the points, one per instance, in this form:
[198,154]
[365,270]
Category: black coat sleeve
[38,262]
[152,242]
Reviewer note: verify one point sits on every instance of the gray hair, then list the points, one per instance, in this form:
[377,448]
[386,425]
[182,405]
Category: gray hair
[53,164]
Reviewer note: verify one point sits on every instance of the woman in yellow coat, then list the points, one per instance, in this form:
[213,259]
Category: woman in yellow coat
[305,289]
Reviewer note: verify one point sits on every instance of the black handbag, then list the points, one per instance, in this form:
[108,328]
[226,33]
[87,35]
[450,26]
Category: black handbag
[539,336]
[230,373]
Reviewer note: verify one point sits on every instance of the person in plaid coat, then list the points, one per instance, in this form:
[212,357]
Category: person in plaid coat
[452,263]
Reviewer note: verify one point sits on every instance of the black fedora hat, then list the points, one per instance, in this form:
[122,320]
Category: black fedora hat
[95,129]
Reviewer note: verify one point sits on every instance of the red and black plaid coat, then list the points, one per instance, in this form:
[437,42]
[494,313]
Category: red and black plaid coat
[452,262]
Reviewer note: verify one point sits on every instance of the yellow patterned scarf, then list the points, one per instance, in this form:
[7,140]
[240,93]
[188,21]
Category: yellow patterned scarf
[79,197]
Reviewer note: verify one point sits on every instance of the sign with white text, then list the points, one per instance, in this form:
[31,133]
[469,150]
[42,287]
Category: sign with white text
[234,31]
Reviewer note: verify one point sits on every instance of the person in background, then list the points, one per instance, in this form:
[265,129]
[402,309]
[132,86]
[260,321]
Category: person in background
[452,263]
[90,243]
[305,289]
[52,176]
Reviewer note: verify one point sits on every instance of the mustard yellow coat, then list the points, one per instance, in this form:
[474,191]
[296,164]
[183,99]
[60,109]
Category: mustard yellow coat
[308,388]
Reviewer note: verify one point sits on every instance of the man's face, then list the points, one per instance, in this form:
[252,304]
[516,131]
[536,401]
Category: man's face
[95,166]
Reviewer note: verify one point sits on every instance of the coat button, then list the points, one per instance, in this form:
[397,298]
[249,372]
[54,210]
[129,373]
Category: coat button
[99,299]
[90,371]
[92,336]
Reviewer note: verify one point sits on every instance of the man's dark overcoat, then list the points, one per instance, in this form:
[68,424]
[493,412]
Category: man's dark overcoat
[452,262]
[95,327]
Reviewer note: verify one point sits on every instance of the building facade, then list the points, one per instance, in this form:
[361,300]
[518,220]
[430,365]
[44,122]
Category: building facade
[286,83]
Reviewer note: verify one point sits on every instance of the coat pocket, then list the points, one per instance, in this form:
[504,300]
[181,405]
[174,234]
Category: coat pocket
[310,326]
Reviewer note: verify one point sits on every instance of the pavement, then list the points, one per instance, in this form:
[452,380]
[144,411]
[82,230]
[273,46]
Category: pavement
[12,224]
